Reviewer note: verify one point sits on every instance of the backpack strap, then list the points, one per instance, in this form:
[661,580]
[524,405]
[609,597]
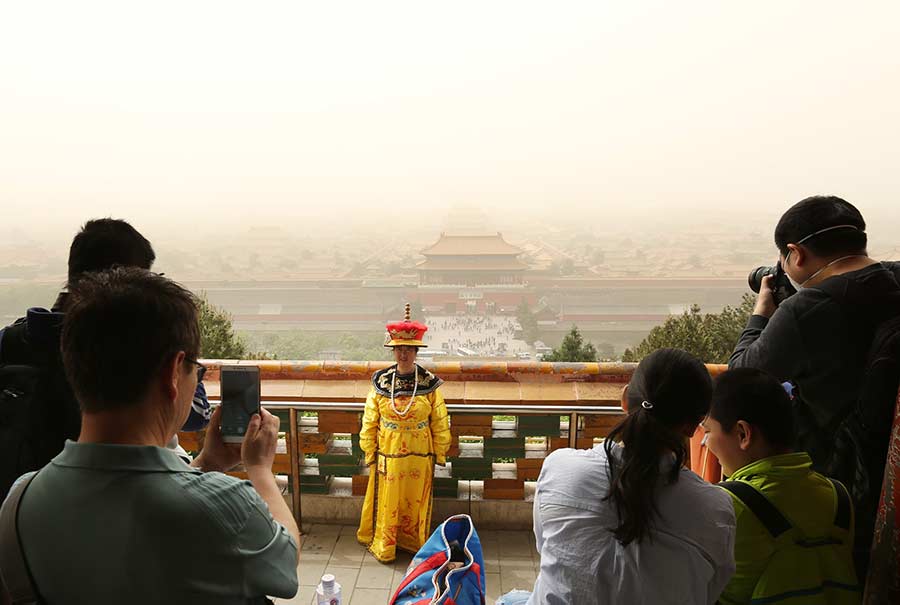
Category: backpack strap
[844,508]
[837,287]
[848,293]
[759,505]
[16,574]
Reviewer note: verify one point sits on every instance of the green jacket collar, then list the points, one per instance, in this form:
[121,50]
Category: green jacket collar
[797,463]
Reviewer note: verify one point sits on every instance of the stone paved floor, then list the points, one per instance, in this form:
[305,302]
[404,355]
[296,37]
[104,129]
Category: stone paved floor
[510,561]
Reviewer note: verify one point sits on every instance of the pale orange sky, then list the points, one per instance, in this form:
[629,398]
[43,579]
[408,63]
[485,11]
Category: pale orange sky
[243,113]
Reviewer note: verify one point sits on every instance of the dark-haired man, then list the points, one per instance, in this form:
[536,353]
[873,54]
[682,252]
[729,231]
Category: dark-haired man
[815,339]
[114,516]
[30,367]
[810,338]
[751,430]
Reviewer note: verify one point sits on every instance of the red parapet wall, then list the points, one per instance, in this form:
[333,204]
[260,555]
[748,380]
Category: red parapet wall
[474,382]
[484,371]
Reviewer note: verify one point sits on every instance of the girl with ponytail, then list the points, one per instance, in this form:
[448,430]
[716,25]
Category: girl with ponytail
[626,522]
[669,395]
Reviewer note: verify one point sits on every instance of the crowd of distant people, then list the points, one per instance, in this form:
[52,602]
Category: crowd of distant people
[484,335]
[109,510]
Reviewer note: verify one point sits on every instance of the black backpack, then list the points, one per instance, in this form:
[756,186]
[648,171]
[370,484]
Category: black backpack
[859,442]
[38,410]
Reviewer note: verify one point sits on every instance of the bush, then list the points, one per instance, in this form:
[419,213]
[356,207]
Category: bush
[573,348]
[711,336]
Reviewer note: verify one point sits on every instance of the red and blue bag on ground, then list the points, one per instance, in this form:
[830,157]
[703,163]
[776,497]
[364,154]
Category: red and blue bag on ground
[447,570]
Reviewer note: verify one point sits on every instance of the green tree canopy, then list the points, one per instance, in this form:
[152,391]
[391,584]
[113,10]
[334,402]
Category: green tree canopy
[573,348]
[711,336]
[217,337]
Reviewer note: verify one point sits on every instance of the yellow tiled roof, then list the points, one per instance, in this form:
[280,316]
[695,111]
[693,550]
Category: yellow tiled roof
[471,245]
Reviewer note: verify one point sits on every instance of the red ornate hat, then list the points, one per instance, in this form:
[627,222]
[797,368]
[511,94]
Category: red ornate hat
[405,333]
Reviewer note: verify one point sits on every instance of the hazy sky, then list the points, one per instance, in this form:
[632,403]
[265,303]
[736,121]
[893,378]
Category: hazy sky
[169,113]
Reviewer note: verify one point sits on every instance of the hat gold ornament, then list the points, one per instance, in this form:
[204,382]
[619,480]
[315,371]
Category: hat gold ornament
[405,333]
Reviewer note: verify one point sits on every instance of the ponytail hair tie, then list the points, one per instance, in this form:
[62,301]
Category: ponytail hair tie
[646,405]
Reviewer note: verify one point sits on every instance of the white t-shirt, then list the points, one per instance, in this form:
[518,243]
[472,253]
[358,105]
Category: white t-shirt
[687,558]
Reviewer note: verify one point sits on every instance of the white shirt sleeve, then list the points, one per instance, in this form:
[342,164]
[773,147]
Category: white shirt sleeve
[724,563]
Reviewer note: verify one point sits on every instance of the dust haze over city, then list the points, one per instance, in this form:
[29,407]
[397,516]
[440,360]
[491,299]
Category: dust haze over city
[607,165]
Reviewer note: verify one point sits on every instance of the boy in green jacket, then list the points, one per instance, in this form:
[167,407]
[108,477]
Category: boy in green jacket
[794,526]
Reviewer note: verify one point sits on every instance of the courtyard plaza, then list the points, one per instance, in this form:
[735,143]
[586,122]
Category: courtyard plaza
[510,561]
[483,335]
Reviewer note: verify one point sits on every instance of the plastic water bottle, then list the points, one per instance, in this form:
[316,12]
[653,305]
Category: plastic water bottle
[328,592]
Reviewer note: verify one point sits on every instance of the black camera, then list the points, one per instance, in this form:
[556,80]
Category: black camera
[780,282]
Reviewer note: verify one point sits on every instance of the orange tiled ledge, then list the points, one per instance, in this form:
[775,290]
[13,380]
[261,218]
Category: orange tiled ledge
[466,382]
[325,370]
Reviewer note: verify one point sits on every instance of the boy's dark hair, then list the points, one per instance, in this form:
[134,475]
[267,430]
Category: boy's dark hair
[757,398]
[670,389]
[820,212]
[105,243]
[120,327]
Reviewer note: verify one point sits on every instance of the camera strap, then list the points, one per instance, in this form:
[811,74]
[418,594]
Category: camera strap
[17,577]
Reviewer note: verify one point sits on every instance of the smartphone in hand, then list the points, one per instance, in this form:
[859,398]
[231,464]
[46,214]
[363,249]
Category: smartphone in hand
[240,400]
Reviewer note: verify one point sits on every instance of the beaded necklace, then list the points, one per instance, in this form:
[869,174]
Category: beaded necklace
[411,399]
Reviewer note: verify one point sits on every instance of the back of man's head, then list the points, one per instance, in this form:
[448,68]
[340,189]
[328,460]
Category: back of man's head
[815,214]
[121,327]
[756,398]
[105,243]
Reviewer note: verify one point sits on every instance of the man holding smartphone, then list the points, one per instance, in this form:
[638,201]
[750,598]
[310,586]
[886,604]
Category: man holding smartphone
[117,517]
[240,400]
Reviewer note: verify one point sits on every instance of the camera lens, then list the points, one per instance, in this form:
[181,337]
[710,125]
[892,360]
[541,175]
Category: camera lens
[754,280]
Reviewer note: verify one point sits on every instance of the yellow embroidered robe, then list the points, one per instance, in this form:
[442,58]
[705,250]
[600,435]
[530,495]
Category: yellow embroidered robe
[401,452]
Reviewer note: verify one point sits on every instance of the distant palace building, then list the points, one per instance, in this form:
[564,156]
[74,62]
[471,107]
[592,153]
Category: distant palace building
[471,273]
[472,261]
[467,271]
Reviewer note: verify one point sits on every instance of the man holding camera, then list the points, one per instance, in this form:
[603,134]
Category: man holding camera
[119,518]
[816,317]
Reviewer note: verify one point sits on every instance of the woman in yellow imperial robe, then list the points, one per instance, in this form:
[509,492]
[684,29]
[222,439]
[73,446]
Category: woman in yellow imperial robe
[405,431]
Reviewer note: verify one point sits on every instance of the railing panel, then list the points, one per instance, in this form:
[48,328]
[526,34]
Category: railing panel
[552,405]
[322,442]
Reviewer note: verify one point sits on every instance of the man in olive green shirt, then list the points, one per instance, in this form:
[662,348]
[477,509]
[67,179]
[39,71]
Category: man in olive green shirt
[119,518]
[750,429]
